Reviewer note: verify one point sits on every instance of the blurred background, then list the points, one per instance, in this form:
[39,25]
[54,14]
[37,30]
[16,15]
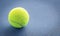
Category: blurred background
[44,18]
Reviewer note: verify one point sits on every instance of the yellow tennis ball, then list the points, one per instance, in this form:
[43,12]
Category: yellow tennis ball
[18,17]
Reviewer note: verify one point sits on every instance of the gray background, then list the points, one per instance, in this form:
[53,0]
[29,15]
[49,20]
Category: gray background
[44,18]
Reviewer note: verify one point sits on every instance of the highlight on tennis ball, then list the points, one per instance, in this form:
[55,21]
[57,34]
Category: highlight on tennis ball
[18,17]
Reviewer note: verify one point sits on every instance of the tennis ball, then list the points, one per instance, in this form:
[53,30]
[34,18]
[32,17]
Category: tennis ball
[18,17]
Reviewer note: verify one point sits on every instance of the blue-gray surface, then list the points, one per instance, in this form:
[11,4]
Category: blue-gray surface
[44,18]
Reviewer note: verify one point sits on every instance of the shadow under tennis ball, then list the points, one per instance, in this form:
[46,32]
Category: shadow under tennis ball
[14,32]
